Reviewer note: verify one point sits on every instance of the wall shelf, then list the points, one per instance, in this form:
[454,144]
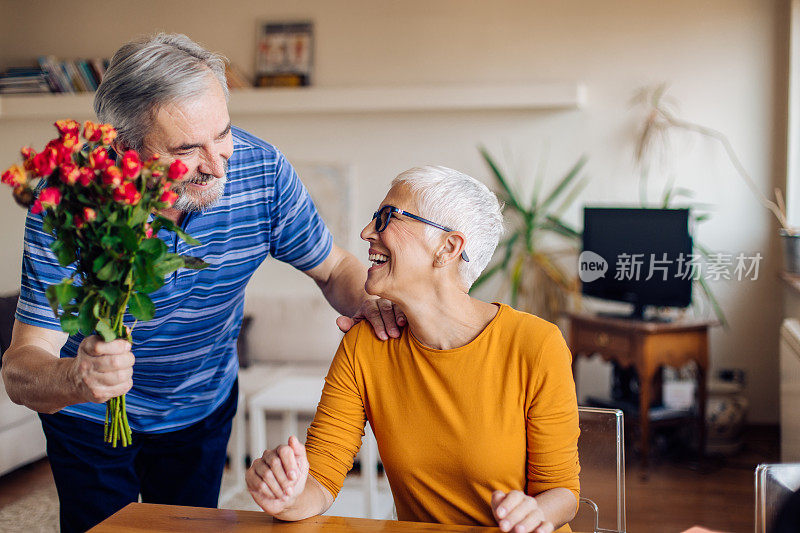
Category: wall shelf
[519,96]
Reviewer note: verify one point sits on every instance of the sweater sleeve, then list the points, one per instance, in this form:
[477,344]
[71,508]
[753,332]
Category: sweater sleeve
[334,437]
[553,421]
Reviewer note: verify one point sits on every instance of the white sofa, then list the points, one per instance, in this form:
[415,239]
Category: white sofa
[21,438]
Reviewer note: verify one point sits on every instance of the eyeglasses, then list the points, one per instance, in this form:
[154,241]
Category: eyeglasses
[383,215]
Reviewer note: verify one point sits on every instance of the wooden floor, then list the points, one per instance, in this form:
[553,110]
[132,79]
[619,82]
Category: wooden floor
[717,494]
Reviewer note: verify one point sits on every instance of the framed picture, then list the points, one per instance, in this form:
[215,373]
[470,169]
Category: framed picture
[284,54]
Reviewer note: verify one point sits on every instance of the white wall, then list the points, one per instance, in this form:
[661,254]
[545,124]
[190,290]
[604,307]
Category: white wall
[723,58]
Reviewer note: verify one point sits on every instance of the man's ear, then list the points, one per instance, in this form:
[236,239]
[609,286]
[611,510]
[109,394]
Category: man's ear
[118,147]
[451,248]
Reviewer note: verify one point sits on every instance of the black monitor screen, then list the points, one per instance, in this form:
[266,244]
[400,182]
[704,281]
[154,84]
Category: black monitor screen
[646,254]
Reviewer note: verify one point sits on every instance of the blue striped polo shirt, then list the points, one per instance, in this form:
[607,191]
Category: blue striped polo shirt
[186,359]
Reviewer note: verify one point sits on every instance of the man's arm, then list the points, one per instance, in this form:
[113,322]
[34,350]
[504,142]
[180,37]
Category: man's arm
[341,277]
[36,377]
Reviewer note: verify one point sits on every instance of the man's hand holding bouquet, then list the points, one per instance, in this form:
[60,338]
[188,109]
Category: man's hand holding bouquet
[103,215]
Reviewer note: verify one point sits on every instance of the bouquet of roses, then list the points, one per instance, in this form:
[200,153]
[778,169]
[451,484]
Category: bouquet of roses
[103,215]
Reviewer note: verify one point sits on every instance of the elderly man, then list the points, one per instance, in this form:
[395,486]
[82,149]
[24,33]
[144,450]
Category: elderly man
[243,201]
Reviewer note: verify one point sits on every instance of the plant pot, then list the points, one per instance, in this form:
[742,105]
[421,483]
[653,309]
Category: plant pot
[726,410]
[791,250]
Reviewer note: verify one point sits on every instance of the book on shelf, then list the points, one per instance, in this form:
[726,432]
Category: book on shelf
[19,80]
[54,76]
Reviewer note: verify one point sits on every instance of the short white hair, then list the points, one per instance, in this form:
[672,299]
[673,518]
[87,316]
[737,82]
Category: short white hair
[453,199]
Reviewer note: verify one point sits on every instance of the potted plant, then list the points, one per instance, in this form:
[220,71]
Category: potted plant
[532,265]
[661,119]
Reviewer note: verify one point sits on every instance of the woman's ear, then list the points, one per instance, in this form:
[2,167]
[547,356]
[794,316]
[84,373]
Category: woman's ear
[451,249]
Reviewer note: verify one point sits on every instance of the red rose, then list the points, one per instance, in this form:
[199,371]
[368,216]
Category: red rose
[127,193]
[45,162]
[63,153]
[168,197]
[69,173]
[91,131]
[67,126]
[86,176]
[89,214]
[79,221]
[131,164]
[112,176]
[177,170]
[98,158]
[14,176]
[49,197]
[148,230]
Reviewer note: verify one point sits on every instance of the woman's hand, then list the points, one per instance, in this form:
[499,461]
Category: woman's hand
[278,477]
[516,511]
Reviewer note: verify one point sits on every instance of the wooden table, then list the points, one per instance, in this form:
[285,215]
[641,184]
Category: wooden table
[647,346]
[141,517]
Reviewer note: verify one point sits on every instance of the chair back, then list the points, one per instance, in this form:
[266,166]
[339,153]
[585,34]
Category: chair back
[774,484]
[601,451]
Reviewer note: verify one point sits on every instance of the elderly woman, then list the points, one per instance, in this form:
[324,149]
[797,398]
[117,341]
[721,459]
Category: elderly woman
[473,407]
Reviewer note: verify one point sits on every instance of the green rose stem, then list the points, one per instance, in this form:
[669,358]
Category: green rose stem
[115,407]
[116,415]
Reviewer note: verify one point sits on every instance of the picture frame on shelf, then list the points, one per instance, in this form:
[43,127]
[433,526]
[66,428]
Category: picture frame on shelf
[284,54]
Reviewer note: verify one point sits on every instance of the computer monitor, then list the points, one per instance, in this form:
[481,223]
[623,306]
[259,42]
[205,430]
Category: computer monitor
[637,255]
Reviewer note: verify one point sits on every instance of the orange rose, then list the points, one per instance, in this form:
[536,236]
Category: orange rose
[67,126]
[108,133]
[112,176]
[69,173]
[27,156]
[15,176]
[23,195]
[91,131]
[71,141]
[89,214]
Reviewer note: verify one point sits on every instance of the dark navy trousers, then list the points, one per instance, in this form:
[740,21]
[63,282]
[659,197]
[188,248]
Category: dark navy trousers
[94,480]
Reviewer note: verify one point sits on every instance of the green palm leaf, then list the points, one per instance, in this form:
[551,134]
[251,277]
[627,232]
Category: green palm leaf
[563,183]
[498,174]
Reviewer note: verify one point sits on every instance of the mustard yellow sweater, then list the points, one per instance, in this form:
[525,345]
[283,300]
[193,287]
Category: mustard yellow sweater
[453,425]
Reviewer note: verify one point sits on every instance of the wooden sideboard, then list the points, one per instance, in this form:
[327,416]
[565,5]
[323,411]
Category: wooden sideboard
[646,346]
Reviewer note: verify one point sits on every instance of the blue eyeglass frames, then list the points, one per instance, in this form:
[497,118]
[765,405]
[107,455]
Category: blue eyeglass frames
[383,215]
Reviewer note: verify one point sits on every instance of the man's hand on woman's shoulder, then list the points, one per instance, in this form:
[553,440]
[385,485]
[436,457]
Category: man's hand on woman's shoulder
[384,316]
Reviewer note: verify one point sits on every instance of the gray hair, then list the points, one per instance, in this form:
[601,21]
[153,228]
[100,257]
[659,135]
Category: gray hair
[146,74]
[453,199]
